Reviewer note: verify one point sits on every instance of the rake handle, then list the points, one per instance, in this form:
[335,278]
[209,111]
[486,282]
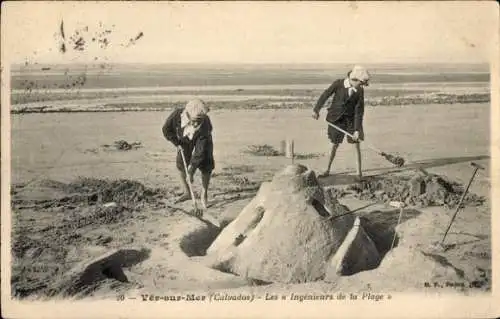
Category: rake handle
[351,136]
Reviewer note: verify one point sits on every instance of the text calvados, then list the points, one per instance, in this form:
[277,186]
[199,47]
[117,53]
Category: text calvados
[229,297]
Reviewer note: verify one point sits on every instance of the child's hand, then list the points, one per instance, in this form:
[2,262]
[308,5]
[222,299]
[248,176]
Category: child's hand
[355,136]
[315,115]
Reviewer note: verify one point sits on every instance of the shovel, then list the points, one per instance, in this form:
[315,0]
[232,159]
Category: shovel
[198,212]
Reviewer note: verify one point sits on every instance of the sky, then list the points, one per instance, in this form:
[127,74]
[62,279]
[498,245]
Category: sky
[244,32]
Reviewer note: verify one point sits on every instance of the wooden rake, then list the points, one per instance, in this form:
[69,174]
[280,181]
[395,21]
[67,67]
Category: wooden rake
[396,160]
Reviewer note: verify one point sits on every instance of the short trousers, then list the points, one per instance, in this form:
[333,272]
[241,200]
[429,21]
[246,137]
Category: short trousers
[337,137]
[206,166]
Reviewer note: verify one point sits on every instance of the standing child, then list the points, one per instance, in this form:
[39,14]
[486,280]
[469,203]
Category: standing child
[346,111]
[190,130]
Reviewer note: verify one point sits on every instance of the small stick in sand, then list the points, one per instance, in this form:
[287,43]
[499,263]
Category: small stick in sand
[401,206]
[290,151]
[476,168]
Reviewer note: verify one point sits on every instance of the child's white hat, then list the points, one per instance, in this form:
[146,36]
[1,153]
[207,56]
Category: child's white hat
[360,73]
[196,108]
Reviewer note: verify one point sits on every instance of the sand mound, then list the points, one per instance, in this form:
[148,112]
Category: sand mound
[262,150]
[122,145]
[85,191]
[86,276]
[418,190]
[287,233]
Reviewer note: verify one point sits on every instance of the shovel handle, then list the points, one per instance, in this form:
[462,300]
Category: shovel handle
[188,181]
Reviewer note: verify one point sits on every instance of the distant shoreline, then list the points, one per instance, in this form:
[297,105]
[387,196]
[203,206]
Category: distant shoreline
[433,98]
[155,87]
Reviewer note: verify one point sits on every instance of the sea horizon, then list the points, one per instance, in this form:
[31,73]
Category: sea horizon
[309,65]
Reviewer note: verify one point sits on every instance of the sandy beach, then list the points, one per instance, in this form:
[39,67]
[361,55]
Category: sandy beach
[48,149]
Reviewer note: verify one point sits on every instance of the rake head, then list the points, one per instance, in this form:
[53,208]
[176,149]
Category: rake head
[396,160]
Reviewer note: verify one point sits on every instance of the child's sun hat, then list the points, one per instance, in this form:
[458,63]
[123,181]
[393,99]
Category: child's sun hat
[360,73]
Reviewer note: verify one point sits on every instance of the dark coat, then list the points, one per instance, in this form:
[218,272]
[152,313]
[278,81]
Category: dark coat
[342,106]
[199,150]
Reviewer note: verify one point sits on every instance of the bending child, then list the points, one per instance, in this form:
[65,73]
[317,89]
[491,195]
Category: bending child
[346,111]
[190,130]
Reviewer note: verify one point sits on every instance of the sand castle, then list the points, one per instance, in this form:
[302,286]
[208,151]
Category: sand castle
[293,231]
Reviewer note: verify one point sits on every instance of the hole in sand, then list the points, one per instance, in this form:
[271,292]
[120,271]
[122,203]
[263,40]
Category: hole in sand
[320,208]
[260,214]
[238,240]
[380,226]
[197,242]
[115,272]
